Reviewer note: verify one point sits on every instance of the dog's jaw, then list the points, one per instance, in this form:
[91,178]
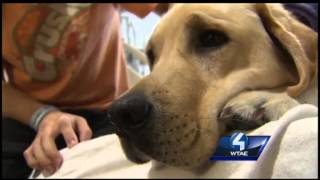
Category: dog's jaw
[184,144]
[132,152]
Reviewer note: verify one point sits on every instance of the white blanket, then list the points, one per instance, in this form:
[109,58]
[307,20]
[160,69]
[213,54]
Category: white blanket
[292,152]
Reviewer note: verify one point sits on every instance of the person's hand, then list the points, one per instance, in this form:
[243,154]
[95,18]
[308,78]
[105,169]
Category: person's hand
[43,154]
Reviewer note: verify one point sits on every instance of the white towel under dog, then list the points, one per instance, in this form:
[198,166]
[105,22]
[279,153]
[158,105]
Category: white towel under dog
[292,152]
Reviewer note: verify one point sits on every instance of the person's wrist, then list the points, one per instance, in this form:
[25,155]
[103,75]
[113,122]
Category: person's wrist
[39,115]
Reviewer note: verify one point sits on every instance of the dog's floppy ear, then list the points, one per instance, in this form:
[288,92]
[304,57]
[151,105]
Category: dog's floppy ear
[299,41]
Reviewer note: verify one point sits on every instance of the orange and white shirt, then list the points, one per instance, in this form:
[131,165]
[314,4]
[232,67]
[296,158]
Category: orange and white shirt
[67,55]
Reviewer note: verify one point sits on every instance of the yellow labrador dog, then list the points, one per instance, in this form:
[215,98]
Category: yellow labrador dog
[214,67]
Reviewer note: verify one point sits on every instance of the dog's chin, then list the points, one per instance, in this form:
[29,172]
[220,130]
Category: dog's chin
[142,151]
[135,155]
[132,152]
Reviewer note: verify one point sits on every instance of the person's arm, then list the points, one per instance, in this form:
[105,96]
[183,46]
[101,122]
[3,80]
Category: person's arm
[14,104]
[17,105]
[43,154]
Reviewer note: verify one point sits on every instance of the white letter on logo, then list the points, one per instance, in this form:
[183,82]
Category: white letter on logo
[237,141]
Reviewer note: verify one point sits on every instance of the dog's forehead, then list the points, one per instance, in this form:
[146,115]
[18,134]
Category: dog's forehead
[180,14]
[222,9]
[233,18]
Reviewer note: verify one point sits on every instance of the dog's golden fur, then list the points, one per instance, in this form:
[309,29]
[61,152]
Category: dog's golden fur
[189,88]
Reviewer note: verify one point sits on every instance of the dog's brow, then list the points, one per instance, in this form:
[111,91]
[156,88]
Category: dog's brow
[219,19]
[207,19]
[207,16]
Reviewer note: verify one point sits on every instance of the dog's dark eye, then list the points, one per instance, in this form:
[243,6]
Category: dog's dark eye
[212,39]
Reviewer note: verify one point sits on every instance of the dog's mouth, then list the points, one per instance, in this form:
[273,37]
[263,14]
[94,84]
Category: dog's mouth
[166,150]
[169,142]
[132,152]
[168,137]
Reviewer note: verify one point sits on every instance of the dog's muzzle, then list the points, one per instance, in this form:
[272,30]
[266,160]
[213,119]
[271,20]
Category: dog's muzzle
[131,117]
[130,113]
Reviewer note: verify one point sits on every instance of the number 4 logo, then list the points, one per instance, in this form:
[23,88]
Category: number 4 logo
[239,141]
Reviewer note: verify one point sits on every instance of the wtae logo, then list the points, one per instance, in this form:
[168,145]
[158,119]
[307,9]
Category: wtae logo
[240,147]
[239,143]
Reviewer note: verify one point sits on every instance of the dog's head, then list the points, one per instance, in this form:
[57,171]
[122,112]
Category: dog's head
[201,56]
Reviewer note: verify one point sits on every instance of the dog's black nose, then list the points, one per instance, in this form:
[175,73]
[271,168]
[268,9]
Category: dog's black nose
[131,111]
